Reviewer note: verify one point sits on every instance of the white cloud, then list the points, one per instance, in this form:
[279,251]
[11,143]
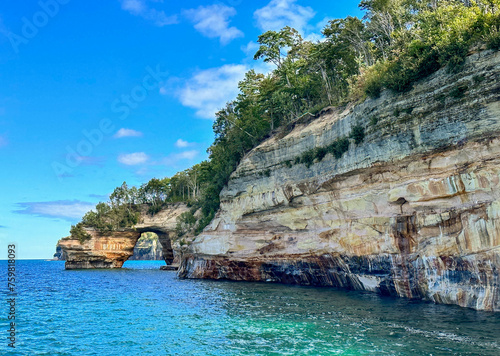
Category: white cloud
[182,144]
[314,34]
[62,209]
[143,171]
[209,90]
[127,133]
[280,13]
[132,159]
[133,6]
[213,21]
[177,161]
[176,157]
[250,48]
[186,155]
[141,8]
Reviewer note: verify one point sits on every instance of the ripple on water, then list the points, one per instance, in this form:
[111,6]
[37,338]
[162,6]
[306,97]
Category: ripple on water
[143,311]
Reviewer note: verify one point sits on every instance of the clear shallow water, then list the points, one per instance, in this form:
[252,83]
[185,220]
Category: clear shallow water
[143,311]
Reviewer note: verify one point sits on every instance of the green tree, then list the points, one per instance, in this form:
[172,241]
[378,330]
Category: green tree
[274,45]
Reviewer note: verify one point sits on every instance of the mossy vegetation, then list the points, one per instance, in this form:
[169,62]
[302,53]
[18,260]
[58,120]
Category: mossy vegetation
[337,148]
[459,91]
[186,222]
[373,121]
[358,134]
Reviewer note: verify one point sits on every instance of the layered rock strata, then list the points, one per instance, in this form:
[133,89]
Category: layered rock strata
[412,211]
[111,250]
[59,255]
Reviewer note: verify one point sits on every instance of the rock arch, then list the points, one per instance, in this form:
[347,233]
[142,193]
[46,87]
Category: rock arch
[111,250]
[165,239]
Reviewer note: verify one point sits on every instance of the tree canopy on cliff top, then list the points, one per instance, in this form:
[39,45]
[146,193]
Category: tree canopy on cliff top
[395,44]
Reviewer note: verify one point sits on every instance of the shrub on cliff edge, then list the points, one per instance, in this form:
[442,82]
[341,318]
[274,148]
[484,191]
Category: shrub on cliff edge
[78,232]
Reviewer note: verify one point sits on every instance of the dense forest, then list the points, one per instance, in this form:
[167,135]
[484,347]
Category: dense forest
[395,44]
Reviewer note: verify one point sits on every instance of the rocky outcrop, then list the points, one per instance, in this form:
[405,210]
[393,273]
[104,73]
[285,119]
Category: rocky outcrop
[412,211]
[111,250]
[101,251]
[59,255]
[147,247]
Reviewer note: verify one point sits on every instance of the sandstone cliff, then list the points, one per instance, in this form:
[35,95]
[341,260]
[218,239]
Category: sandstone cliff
[113,249]
[59,255]
[147,247]
[411,211]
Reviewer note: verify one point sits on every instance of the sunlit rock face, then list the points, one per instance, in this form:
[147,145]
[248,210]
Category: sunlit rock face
[101,251]
[113,249]
[412,211]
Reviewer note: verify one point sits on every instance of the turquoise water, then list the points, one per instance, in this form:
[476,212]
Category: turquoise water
[143,311]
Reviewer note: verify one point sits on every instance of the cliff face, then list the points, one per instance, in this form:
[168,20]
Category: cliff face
[413,210]
[113,249]
[147,247]
[59,255]
[101,251]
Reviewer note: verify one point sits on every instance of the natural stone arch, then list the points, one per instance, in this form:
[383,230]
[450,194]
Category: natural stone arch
[111,250]
[165,240]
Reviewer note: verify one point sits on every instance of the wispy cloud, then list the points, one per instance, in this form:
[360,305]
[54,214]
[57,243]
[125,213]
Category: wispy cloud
[3,141]
[180,143]
[133,159]
[213,21]
[250,48]
[177,157]
[60,209]
[209,90]
[3,29]
[280,13]
[127,133]
[186,155]
[177,161]
[92,161]
[142,9]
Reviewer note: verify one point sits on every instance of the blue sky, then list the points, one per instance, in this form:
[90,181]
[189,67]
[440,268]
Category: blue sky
[94,93]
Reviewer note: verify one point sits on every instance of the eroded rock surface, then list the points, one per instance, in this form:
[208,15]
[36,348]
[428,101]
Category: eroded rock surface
[101,251]
[59,255]
[113,249]
[412,211]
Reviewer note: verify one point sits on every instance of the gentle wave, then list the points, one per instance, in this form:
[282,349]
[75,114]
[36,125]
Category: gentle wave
[141,310]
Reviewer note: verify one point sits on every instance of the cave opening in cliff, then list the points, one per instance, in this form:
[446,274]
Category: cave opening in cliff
[148,247]
[153,245]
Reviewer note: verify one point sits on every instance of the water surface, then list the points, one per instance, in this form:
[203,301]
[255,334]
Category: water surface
[141,310]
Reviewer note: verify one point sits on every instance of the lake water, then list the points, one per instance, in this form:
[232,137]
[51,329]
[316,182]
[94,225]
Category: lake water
[141,310]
